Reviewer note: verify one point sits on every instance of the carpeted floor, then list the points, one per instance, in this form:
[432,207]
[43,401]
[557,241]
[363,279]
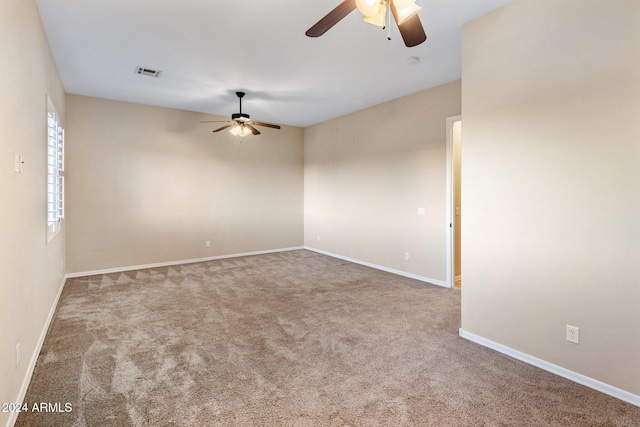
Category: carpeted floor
[286,339]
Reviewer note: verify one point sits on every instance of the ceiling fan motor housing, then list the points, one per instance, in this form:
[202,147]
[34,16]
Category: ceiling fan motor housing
[236,116]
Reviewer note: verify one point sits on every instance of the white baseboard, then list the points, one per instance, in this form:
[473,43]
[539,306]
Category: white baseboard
[380,267]
[36,352]
[183,261]
[555,369]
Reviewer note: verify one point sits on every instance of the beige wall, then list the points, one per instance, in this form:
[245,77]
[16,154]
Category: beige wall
[149,185]
[31,271]
[551,177]
[366,175]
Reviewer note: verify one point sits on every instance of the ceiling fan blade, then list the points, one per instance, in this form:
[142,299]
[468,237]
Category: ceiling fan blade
[222,128]
[215,121]
[269,125]
[253,130]
[331,18]
[411,30]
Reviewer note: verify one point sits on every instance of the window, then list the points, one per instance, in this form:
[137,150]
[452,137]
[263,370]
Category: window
[55,171]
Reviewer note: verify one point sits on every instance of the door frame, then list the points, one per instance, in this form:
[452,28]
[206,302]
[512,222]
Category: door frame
[450,201]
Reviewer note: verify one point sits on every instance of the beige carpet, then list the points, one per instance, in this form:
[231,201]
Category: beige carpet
[286,339]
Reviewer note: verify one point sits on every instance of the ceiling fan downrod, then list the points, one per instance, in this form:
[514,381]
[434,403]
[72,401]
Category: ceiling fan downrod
[240,95]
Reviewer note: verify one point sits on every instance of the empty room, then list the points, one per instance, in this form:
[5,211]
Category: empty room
[320,213]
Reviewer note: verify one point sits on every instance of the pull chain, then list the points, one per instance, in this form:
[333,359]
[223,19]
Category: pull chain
[389,18]
[384,27]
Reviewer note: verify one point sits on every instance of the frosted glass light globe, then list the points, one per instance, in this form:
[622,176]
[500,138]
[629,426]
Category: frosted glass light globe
[368,7]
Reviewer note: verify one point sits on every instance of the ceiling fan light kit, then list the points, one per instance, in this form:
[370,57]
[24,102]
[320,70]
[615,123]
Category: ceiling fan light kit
[405,13]
[374,10]
[240,130]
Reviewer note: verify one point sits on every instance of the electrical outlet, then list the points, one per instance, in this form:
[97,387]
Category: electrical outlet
[17,354]
[17,163]
[318,237]
[207,243]
[406,256]
[573,334]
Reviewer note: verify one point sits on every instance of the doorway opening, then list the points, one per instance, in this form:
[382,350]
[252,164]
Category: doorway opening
[454,202]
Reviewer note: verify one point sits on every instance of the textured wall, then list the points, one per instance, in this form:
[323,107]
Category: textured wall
[551,177]
[366,175]
[149,185]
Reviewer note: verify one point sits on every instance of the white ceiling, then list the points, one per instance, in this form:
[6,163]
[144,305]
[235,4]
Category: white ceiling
[209,49]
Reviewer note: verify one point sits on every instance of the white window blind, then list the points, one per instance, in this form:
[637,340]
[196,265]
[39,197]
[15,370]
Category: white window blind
[55,171]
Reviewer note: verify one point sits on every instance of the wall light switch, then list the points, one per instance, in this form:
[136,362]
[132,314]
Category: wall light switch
[422,211]
[17,162]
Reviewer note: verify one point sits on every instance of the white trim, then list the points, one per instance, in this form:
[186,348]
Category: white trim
[554,369]
[36,352]
[379,267]
[55,170]
[449,201]
[184,261]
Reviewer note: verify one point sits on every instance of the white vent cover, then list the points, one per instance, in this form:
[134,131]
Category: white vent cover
[148,72]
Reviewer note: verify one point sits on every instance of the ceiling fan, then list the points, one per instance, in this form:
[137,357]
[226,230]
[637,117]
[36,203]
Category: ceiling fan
[405,13]
[241,123]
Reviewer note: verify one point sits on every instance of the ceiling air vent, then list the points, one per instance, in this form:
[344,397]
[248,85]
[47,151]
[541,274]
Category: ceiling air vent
[148,72]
